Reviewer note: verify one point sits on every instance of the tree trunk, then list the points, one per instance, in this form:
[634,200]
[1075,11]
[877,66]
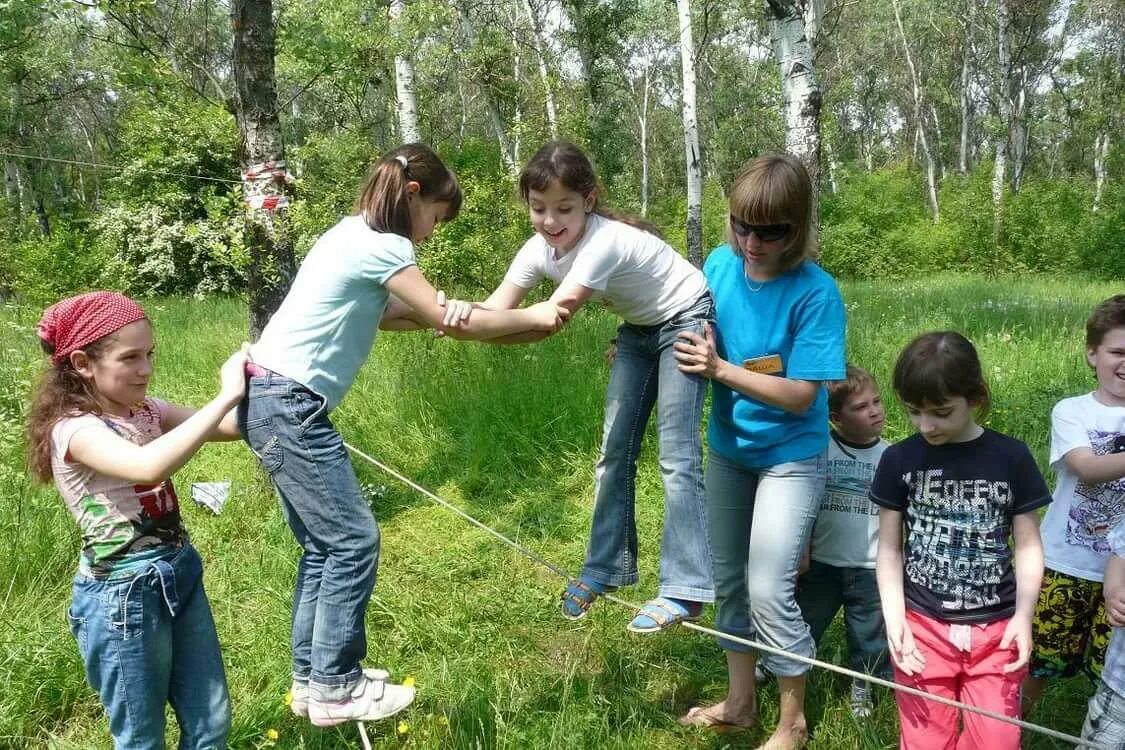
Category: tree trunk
[1017,141]
[1003,90]
[540,41]
[966,99]
[831,157]
[404,79]
[1101,151]
[794,25]
[493,110]
[642,120]
[922,139]
[268,233]
[691,138]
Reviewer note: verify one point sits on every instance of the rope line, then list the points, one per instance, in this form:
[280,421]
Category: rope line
[1076,741]
[114,168]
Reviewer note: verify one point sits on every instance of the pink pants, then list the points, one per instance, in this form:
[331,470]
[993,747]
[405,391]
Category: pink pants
[975,677]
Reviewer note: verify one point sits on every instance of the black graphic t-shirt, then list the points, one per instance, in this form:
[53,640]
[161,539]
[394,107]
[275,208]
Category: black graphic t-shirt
[958,500]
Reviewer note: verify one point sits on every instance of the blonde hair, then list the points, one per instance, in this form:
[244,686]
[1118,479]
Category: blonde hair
[776,189]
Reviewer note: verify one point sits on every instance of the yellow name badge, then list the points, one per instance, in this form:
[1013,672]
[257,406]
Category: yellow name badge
[768,365]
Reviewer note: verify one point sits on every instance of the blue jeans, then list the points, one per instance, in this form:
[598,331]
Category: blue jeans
[645,375]
[823,589]
[148,639]
[286,425]
[1105,718]
[761,521]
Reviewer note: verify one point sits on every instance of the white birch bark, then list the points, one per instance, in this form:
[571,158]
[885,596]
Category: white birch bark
[539,39]
[691,137]
[794,25]
[922,139]
[407,105]
[1101,151]
[642,121]
[1003,90]
[966,100]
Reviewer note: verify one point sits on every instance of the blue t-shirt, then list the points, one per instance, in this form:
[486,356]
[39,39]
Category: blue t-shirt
[799,317]
[323,331]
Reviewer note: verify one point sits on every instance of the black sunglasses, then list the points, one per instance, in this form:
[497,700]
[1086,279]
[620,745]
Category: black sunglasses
[765,232]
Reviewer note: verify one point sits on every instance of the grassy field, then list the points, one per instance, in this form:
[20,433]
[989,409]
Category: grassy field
[510,434]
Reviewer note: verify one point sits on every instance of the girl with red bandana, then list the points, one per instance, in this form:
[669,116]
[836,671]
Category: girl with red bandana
[139,611]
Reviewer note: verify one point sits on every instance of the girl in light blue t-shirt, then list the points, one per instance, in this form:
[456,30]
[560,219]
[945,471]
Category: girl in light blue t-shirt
[359,276]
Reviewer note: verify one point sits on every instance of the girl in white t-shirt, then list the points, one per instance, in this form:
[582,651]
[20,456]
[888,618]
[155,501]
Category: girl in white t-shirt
[589,254]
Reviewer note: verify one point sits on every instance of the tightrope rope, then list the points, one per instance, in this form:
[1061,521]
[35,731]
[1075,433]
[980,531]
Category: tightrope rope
[113,168]
[1076,741]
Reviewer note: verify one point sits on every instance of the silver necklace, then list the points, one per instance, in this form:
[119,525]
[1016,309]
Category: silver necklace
[746,277]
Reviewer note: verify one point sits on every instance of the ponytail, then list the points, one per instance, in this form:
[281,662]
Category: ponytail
[383,201]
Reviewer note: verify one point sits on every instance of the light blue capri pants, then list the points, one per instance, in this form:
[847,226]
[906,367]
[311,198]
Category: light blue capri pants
[760,522]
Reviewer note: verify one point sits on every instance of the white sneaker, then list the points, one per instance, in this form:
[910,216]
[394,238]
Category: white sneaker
[298,699]
[860,701]
[372,698]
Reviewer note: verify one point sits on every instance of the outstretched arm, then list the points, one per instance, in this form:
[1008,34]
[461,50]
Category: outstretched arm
[108,453]
[410,286]
[569,296]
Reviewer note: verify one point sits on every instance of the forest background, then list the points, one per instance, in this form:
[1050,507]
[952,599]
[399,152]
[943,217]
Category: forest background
[982,135]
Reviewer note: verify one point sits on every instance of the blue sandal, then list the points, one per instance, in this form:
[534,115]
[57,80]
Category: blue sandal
[579,595]
[661,613]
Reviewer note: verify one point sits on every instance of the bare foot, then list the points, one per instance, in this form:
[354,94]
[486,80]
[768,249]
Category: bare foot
[787,738]
[720,717]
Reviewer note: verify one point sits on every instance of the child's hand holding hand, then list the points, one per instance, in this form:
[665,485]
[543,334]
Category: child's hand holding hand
[900,641]
[548,316]
[1017,632]
[1115,606]
[232,375]
[456,312]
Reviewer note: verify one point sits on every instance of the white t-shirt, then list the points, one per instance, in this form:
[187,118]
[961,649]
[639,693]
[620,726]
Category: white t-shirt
[846,533]
[1077,522]
[637,275]
[323,331]
[1113,674]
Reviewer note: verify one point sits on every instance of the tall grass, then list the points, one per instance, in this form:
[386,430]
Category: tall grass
[511,434]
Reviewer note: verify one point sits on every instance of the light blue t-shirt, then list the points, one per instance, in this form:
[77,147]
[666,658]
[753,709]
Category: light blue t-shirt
[799,317]
[323,331]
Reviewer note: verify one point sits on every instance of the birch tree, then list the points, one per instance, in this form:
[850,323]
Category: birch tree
[691,137]
[539,40]
[268,236]
[919,123]
[966,81]
[498,129]
[407,105]
[794,25]
[1004,103]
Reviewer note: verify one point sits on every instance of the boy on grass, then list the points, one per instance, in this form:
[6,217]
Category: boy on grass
[841,569]
[1105,715]
[1070,631]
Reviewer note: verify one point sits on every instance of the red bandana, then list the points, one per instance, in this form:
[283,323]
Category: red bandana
[78,321]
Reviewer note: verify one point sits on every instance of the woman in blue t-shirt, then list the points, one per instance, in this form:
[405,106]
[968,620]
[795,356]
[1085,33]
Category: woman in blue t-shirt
[779,334]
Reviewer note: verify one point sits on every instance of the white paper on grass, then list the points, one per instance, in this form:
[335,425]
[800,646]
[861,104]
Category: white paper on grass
[211,495]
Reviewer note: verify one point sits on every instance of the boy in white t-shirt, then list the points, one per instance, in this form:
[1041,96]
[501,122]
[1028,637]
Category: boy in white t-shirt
[1105,716]
[845,539]
[1088,455]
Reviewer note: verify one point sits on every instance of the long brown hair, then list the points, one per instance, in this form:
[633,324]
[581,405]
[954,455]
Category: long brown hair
[60,392]
[383,200]
[775,189]
[938,366]
[564,162]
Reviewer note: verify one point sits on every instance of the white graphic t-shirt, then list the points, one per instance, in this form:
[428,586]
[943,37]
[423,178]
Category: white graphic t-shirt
[1114,672]
[1075,527]
[847,526]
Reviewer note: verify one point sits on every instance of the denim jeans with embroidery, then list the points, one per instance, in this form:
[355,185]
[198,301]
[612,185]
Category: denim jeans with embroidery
[287,427]
[148,639]
[645,375]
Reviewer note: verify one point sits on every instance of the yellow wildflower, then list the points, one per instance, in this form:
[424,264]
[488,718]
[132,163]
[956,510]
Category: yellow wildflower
[403,727]
[409,681]
[272,735]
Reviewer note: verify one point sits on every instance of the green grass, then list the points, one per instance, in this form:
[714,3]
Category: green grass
[510,434]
